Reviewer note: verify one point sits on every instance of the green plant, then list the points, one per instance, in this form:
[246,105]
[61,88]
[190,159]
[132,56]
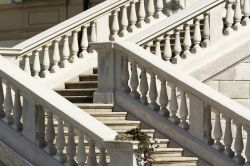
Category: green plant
[146,145]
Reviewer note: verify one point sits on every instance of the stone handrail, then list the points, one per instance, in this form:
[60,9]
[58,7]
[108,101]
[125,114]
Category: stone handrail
[176,90]
[40,105]
[194,28]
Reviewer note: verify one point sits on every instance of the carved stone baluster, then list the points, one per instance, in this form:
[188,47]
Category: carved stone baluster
[167,53]
[183,111]
[40,130]
[148,46]
[173,105]
[228,138]
[132,17]
[93,34]
[2,113]
[246,12]
[60,142]
[206,31]
[159,8]
[134,81]
[17,111]
[81,156]
[229,20]
[197,36]
[8,105]
[125,75]
[187,43]
[237,15]
[164,99]
[102,160]
[50,134]
[114,26]
[150,11]
[238,144]
[207,125]
[55,57]
[153,93]
[141,14]
[75,46]
[84,41]
[92,155]
[144,87]
[177,47]
[218,132]
[158,47]
[71,147]
[36,65]
[247,151]
[46,61]
[27,64]
[65,52]
[124,21]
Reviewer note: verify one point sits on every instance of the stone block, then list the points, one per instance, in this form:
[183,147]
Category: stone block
[242,71]
[227,75]
[235,89]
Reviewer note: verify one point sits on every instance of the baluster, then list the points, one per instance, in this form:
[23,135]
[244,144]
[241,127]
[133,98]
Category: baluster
[65,52]
[114,26]
[247,151]
[141,14]
[167,53]
[148,46]
[132,17]
[102,160]
[75,46]
[124,21]
[36,65]
[177,47]
[158,47]
[238,144]
[144,87]
[218,132]
[27,64]
[173,106]
[208,125]
[60,142]
[229,20]
[125,75]
[153,93]
[55,57]
[197,35]
[246,12]
[164,99]
[46,61]
[187,43]
[150,11]
[92,156]
[237,15]
[50,134]
[183,111]
[81,151]
[71,147]
[228,138]
[8,105]
[93,35]
[17,112]
[2,113]
[159,8]
[206,31]
[84,41]
[134,81]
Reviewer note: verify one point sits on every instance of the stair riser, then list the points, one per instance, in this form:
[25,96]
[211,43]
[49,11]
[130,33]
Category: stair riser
[81,100]
[81,85]
[88,78]
[77,93]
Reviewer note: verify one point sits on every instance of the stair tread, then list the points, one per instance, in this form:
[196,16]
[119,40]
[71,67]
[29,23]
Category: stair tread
[91,105]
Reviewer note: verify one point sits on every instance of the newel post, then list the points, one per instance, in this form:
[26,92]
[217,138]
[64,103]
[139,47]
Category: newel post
[109,68]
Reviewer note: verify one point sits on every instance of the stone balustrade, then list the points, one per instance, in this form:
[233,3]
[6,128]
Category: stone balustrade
[179,37]
[64,131]
[165,94]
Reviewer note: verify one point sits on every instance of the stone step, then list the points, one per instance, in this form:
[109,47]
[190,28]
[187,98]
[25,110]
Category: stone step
[76,92]
[176,161]
[88,77]
[82,85]
[79,99]
[95,106]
